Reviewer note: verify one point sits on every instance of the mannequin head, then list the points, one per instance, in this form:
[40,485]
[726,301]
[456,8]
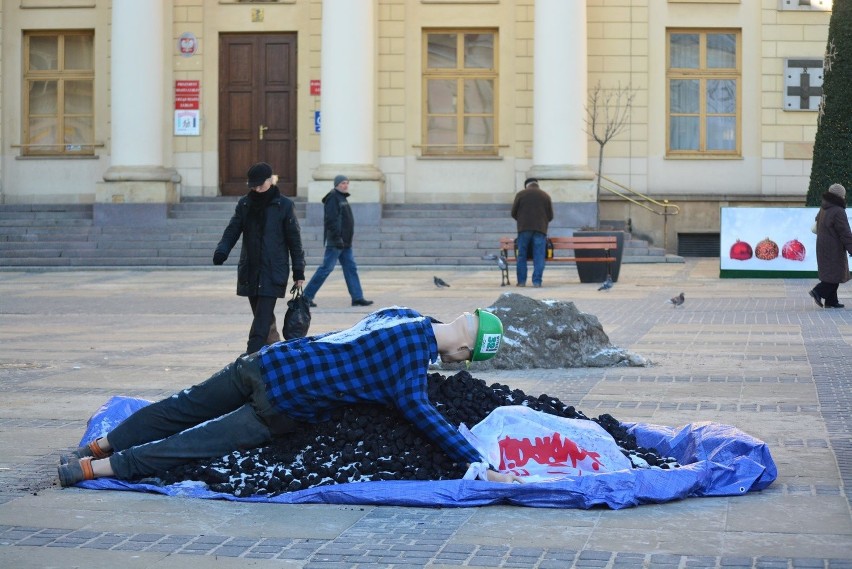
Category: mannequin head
[470,337]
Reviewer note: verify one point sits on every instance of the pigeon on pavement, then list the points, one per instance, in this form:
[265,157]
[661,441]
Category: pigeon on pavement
[676,300]
[439,282]
[607,284]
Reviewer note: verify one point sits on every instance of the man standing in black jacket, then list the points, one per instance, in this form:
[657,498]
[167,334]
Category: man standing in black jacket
[339,230]
[533,211]
[271,239]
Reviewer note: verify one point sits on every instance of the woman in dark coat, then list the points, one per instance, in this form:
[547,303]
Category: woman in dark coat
[833,247]
[271,239]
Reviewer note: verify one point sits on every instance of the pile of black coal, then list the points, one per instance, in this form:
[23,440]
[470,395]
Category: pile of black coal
[371,442]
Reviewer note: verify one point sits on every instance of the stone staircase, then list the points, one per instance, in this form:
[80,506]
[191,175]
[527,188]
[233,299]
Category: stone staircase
[407,234]
[639,250]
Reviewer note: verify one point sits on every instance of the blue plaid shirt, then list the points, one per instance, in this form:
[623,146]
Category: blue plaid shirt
[384,359]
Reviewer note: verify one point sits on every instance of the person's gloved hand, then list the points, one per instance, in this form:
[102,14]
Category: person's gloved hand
[338,245]
[219,257]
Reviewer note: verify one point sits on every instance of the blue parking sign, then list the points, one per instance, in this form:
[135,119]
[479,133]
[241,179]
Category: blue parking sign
[317,121]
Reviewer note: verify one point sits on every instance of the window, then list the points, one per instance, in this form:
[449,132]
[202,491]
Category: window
[703,95]
[59,80]
[460,93]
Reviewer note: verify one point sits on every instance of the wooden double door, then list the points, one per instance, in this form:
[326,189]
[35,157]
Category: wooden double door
[257,108]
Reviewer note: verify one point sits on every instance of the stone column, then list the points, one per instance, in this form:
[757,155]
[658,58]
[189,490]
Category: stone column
[560,155]
[348,102]
[137,99]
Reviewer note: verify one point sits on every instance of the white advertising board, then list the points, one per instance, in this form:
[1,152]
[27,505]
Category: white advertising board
[767,242]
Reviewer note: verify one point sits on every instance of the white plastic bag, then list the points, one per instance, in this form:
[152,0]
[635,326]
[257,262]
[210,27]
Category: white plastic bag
[542,447]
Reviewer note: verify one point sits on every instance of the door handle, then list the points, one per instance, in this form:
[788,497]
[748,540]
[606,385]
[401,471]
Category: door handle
[260,130]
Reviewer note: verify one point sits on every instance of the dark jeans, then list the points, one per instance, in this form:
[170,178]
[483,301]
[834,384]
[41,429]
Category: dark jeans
[350,272]
[229,411]
[263,309]
[828,292]
[538,242]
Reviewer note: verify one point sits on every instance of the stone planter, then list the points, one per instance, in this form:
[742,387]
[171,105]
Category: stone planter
[592,272]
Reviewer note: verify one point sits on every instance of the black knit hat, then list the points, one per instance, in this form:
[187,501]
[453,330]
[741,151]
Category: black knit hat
[529,181]
[258,174]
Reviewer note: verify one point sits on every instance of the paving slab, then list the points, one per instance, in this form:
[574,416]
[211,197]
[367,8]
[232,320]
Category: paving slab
[752,353]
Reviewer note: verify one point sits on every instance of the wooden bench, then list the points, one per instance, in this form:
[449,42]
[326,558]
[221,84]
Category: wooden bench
[604,244]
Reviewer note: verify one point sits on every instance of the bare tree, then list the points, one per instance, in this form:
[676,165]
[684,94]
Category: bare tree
[607,115]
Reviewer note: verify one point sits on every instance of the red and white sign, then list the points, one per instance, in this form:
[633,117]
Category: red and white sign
[315,87]
[187,94]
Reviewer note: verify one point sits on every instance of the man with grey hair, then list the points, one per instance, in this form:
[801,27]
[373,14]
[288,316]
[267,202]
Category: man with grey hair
[533,212]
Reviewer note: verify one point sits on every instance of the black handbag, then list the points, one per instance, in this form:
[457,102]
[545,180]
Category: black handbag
[297,320]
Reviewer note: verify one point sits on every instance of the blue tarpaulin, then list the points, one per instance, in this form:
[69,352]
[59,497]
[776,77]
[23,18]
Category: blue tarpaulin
[716,460]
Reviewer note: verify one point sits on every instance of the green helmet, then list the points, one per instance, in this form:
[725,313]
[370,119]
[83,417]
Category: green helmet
[489,335]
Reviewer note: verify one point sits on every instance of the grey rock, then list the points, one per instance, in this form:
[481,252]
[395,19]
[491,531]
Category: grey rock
[552,334]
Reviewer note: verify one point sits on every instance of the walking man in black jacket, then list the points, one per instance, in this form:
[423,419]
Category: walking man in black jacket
[339,230]
[271,239]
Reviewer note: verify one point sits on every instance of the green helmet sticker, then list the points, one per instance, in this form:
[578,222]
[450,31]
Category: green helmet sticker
[489,334]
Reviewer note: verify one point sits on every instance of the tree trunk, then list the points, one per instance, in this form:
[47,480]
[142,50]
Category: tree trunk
[598,190]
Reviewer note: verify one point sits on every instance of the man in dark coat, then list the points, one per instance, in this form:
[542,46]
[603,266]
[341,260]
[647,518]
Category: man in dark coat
[833,247]
[339,231]
[271,239]
[533,210]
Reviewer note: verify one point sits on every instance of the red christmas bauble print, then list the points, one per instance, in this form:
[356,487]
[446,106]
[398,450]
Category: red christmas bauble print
[793,250]
[741,251]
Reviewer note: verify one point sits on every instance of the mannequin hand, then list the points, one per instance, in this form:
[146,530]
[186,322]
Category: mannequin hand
[503,477]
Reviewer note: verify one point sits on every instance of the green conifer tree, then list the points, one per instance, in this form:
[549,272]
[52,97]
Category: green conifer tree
[832,161]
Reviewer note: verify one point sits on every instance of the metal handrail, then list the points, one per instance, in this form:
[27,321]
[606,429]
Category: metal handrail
[667,208]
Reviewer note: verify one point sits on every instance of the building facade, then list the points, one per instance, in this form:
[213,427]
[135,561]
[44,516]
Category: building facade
[149,102]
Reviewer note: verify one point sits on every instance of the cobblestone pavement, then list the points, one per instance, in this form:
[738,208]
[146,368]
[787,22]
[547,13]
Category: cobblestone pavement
[753,353]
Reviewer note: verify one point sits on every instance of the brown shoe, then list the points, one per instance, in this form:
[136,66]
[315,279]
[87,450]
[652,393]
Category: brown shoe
[76,470]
